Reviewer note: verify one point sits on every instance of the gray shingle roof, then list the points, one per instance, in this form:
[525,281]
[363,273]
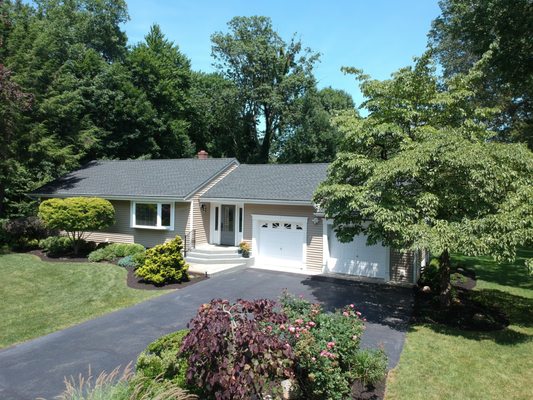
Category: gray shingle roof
[279,182]
[177,178]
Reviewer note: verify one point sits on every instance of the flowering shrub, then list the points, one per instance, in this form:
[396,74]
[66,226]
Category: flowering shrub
[326,347]
[233,350]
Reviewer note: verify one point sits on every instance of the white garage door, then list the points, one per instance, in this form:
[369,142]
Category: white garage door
[356,258]
[281,243]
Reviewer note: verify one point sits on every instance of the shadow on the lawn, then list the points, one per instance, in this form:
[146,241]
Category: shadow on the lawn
[507,274]
[507,336]
[518,309]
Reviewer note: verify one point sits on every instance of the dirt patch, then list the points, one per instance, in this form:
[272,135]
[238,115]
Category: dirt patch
[360,392]
[135,283]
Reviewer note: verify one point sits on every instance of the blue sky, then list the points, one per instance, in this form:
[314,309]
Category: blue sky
[378,36]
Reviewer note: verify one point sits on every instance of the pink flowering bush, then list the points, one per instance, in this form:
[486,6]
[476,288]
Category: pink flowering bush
[326,347]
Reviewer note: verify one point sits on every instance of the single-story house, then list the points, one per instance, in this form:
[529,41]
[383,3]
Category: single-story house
[219,201]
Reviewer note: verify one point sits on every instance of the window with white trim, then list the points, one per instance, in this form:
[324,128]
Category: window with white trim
[150,215]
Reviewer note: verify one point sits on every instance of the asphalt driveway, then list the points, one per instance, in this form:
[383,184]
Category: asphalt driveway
[37,368]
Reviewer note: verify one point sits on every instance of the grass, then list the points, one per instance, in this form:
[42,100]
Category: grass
[39,297]
[439,362]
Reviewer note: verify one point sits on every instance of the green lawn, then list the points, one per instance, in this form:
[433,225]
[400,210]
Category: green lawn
[443,363]
[40,297]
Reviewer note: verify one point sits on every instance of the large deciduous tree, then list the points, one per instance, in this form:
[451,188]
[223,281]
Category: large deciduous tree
[269,73]
[311,136]
[420,173]
[467,30]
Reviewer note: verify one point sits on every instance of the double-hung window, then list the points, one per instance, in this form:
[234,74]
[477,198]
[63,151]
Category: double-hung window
[150,215]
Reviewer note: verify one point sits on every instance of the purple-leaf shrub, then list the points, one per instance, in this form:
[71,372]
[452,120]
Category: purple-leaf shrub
[233,351]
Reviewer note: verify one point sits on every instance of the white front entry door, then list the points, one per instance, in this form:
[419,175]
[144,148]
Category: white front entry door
[281,243]
[356,258]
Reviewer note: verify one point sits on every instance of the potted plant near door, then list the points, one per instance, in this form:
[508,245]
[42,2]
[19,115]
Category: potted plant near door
[244,249]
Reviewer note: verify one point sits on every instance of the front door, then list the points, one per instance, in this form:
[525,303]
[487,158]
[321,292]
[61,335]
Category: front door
[227,226]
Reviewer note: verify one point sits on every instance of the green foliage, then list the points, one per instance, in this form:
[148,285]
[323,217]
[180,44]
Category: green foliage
[55,246]
[162,360]
[326,346]
[500,32]
[421,173]
[127,262]
[23,233]
[77,215]
[164,263]
[313,137]
[270,75]
[114,251]
[370,366]
[430,275]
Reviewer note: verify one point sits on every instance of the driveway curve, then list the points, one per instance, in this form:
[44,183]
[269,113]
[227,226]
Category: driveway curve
[37,368]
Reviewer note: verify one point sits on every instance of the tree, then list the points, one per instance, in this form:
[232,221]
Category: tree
[312,137]
[419,172]
[467,30]
[215,120]
[13,103]
[270,76]
[162,72]
[77,216]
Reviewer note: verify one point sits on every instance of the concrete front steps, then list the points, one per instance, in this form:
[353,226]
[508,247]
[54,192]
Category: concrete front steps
[211,259]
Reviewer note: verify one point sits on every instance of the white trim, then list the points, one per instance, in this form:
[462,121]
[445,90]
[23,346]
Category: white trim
[257,201]
[191,216]
[158,227]
[325,245]
[257,218]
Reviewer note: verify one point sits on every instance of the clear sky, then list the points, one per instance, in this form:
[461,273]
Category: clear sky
[378,36]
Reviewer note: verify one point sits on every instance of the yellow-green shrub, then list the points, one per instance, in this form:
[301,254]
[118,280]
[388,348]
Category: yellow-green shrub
[164,263]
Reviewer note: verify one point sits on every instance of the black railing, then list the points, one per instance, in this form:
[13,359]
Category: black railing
[189,242]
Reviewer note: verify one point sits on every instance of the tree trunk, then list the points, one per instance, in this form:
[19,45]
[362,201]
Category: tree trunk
[445,296]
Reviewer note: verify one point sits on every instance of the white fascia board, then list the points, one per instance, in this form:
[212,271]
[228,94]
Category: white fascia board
[256,201]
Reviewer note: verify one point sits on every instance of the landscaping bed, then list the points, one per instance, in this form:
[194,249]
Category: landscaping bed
[135,282]
[477,364]
[465,312]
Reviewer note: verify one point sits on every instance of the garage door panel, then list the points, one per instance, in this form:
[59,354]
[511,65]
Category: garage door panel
[356,258]
[281,243]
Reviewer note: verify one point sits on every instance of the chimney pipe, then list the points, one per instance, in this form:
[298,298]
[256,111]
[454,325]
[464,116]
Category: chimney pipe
[203,155]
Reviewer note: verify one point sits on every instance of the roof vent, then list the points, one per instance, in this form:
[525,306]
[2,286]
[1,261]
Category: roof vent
[203,155]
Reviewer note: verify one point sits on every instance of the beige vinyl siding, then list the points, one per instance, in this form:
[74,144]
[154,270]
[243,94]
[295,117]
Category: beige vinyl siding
[122,232]
[201,219]
[314,231]
[401,266]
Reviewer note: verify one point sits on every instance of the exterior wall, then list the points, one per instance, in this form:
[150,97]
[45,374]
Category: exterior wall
[122,232]
[201,218]
[402,266]
[314,231]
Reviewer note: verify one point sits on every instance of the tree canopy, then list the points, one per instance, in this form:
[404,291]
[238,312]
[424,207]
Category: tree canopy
[502,31]
[270,76]
[421,173]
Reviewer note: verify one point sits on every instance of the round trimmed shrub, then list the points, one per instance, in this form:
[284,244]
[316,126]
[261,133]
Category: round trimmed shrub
[164,263]
[162,360]
[56,246]
[114,251]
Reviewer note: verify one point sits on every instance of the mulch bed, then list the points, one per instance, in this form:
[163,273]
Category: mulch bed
[136,283]
[464,313]
[132,281]
[359,392]
[68,258]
